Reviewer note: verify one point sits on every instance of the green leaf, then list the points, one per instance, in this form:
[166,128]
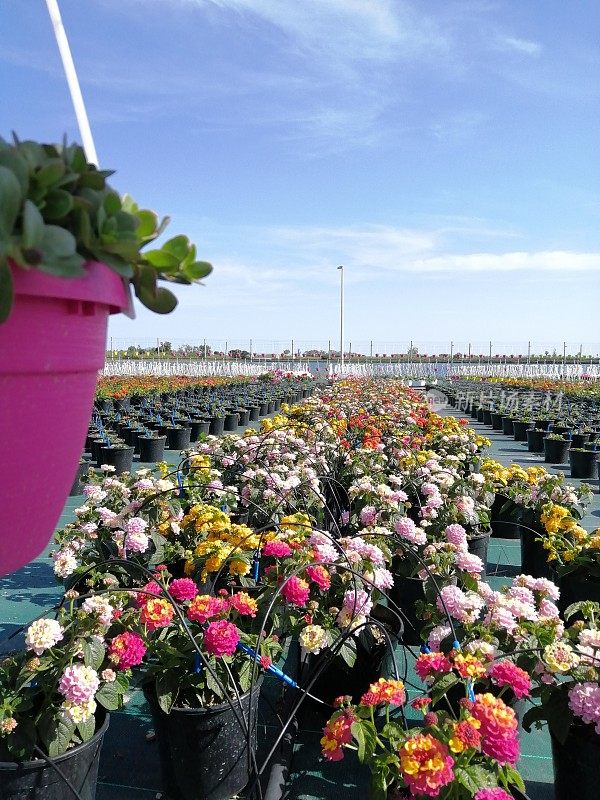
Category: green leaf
[18,166]
[178,246]
[87,729]
[109,696]
[348,652]
[57,242]
[161,259]
[33,225]
[112,203]
[212,684]
[161,302]
[93,653]
[167,689]
[6,290]
[474,777]
[197,270]
[147,224]
[58,204]
[443,685]
[10,202]
[365,736]
[56,733]
[514,778]
[50,173]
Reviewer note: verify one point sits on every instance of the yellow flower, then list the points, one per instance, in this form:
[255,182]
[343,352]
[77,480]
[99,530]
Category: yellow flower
[239,567]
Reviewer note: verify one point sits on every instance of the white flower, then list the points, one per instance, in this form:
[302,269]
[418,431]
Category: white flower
[65,563]
[42,635]
[79,712]
[99,606]
[313,638]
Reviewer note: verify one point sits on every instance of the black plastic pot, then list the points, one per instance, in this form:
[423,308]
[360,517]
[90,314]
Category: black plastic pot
[254,413]
[244,417]
[534,559]
[478,546]
[496,421]
[204,751]
[480,415]
[576,764]
[37,780]
[151,448]
[178,438]
[556,450]
[579,439]
[507,426]
[562,429]
[217,426]
[535,440]
[487,416]
[575,587]
[270,407]
[264,409]
[502,528]
[77,488]
[231,421]
[199,426]
[405,593]
[121,458]
[584,463]
[542,424]
[520,430]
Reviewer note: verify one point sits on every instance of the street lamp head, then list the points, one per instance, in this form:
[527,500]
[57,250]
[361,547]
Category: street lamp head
[340,267]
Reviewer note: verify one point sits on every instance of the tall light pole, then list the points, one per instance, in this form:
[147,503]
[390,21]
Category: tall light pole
[341,269]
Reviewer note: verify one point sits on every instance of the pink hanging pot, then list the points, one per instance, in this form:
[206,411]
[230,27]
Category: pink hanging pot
[51,348]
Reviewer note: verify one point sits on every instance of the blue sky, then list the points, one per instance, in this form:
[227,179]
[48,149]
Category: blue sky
[445,152]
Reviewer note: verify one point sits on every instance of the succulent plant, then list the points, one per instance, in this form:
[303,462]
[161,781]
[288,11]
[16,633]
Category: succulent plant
[57,211]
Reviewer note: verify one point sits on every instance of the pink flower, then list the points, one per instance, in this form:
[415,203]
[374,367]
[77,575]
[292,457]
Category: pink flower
[295,590]
[468,562]
[319,575]
[368,516]
[505,673]
[463,606]
[136,525]
[79,683]
[277,548]
[183,589]
[498,728]
[126,650]
[492,794]
[584,702]
[429,663]
[221,638]
[456,534]
[205,606]
[151,589]
[406,528]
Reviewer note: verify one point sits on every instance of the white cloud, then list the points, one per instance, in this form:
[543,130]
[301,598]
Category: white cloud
[524,46]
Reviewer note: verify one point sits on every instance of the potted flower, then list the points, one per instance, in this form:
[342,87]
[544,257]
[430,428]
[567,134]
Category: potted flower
[568,692]
[69,244]
[468,757]
[56,695]
[556,448]
[202,678]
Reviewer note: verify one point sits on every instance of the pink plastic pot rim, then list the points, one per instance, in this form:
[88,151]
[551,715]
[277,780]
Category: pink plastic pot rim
[101,285]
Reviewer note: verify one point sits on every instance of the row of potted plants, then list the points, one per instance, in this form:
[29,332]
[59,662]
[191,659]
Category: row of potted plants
[350,525]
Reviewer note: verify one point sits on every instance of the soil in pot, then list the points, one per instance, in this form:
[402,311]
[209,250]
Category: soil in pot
[37,780]
[204,751]
[152,448]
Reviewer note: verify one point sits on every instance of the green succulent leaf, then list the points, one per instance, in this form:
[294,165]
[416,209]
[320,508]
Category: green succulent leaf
[178,246]
[6,290]
[10,202]
[58,204]
[52,171]
[162,301]
[33,225]
[197,270]
[162,260]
